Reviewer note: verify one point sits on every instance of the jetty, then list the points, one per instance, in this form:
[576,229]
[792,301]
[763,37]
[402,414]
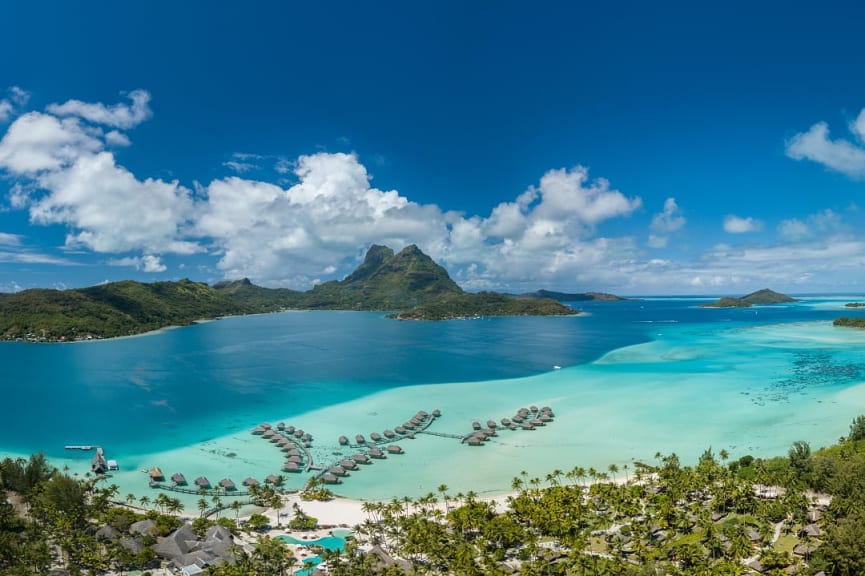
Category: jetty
[84,447]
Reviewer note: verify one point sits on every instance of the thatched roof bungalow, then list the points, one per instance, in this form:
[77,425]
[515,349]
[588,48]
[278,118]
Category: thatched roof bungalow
[202,482]
[329,478]
[375,436]
[250,481]
[348,464]
[156,474]
[291,467]
[227,484]
[178,479]
[360,439]
[389,433]
[394,449]
[273,479]
[343,441]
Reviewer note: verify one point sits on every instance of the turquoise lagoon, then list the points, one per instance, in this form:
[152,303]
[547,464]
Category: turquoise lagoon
[636,377]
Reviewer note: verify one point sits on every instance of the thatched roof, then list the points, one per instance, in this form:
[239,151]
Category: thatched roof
[178,478]
[291,467]
[202,482]
[250,481]
[227,484]
[273,479]
[156,474]
[343,440]
[394,449]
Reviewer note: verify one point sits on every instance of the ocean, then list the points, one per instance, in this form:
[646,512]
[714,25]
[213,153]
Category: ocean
[625,380]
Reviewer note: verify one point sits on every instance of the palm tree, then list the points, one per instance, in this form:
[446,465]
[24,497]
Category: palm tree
[236,506]
[130,498]
[443,490]
[202,505]
[144,501]
[613,470]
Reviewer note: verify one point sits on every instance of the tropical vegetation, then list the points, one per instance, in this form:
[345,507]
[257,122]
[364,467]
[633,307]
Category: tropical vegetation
[804,512]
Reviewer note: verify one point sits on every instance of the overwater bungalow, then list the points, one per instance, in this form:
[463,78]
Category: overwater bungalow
[258,430]
[474,441]
[505,422]
[537,422]
[287,448]
[289,429]
[343,441]
[283,441]
[178,478]
[202,482]
[394,449]
[512,426]
[348,464]
[227,484]
[329,478]
[399,430]
[408,425]
[307,444]
[376,453]
[156,474]
[533,409]
[298,433]
[359,439]
[250,482]
[375,436]
[306,437]
[291,467]
[280,426]
[546,409]
[523,411]
[545,418]
[360,458]
[268,434]
[491,424]
[416,421]
[294,452]
[527,426]
[337,471]
[295,459]
[436,413]
[518,419]
[265,425]
[409,435]
[389,433]
[476,425]
[273,479]
[276,437]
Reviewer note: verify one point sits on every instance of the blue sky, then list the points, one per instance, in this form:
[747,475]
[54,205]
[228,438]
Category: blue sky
[637,148]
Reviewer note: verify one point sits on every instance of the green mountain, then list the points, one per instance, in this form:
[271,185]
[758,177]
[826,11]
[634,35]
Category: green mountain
[410,281]
[759,298]
[384,281]
[573,297]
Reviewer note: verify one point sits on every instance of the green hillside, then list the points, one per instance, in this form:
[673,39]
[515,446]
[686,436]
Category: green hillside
[758,298]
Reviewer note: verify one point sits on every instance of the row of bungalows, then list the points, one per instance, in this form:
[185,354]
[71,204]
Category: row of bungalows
[341,469]
[525,419]
[416,423]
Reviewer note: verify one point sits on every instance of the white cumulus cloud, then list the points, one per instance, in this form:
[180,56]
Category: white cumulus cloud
[737,225]
[666,222]
[839,155]
[148,263]
[123,116]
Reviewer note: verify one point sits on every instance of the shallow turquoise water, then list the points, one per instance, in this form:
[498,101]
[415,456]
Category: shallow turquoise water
[637,377]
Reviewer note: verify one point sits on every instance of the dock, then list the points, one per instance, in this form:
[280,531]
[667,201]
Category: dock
[84,447]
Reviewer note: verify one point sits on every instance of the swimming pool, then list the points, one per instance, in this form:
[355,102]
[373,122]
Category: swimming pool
[334,542]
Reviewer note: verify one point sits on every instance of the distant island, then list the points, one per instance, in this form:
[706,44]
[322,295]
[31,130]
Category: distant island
[759,298]
[579,297]
[408,283]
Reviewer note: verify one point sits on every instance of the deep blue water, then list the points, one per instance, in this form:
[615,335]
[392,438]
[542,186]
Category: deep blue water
[168,388]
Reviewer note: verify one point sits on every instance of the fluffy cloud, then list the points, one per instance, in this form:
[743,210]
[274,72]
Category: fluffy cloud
[109,210]
[736,225]
[38,142]
[123,116]
[147,263]
[839,155]
[664,223]
[7,239]
[821,223]
[17,98]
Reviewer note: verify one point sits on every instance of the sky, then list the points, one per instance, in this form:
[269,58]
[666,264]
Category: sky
[627,147]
